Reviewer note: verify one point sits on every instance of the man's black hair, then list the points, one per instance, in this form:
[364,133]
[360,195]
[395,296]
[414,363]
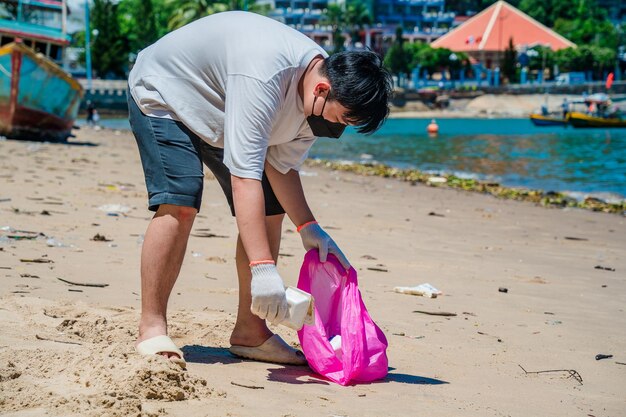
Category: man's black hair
[361,84]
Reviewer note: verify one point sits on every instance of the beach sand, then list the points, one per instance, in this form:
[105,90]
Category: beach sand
[67,350]
[488,106]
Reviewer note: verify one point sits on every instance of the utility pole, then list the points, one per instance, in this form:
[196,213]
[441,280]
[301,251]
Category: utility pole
[87,45]
[64,32]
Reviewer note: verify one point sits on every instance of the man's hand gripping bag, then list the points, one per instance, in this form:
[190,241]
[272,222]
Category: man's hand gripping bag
[339,311]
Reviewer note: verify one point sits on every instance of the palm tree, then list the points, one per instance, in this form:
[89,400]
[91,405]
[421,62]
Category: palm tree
[190,10]
[357,15]
[335,17]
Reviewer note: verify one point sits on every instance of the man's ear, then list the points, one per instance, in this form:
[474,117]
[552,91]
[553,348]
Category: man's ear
[322,88]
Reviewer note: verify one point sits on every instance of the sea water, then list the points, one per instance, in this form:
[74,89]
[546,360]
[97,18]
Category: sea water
[512,152]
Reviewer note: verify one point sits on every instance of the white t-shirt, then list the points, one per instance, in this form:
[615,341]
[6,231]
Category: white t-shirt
[232,78]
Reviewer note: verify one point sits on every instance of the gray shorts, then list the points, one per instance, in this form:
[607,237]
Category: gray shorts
[172,158]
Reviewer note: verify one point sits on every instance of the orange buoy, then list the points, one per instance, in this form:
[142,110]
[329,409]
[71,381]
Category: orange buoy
[433,127]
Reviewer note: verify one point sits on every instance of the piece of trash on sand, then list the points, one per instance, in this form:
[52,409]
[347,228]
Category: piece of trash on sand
[53,243]
[38,261]
[572,373]
[425,290]
[100,238]
[437,180]
[114,208]
[600,356]
[503,289]
[246,386]
[605,268]
[436,313]
[207,234]
[432,213]
[83,284]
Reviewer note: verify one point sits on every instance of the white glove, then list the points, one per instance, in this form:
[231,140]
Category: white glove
[268,293]
[313,236]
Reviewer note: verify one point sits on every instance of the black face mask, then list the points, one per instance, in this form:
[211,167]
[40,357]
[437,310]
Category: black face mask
[323,128]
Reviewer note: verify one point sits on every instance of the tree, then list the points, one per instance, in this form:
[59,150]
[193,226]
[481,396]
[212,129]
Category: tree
[335,17]
[509,62]
[586,58]
[109,48]
[397,59]
[138,23]
[548,11]
[540,58]
[588,31]
[190,10]
[356,16]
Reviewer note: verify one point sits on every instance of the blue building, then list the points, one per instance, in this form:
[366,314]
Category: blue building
[420,19]
[300,14]
[423,20]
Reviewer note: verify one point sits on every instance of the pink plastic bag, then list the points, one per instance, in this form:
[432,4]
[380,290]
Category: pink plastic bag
[339,310]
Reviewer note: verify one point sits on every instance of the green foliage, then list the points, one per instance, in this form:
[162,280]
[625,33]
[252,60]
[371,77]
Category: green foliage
[335,18]
[186,11]
[582,21]
[190,10]
[548,11]
[588,31]
[109,48]
[509,62]
[544,57]
[397,59]
[357,15]
[349,17]
[138,23]
[586,58]
[403,57]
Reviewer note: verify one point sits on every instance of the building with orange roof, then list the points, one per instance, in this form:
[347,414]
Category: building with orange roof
[485,36]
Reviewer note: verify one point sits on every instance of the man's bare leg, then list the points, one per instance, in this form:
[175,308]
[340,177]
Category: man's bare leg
[162,254]
[249,329]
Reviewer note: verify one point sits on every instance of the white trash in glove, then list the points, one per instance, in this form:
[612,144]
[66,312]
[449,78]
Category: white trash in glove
[301,309]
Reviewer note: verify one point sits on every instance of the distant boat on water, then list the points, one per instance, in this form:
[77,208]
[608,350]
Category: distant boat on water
[577,119]
[38,99]
[541,120]
[600,111]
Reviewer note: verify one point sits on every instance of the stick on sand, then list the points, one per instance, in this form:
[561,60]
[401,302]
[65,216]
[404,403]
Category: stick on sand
[83,284]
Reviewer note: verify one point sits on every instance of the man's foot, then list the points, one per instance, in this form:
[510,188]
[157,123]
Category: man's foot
[251,336]
[273,350]
[146,333]
[160,345]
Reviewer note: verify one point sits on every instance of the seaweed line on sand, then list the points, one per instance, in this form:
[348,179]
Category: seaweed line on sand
[543,198]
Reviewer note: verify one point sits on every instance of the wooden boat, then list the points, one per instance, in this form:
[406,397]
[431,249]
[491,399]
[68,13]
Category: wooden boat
[581,120]
[38,100]
[541,120]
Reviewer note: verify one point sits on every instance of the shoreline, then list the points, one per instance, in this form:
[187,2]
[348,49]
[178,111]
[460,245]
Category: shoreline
[544,198]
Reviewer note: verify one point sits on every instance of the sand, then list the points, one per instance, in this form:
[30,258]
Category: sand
[67,350]
[487,106]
